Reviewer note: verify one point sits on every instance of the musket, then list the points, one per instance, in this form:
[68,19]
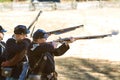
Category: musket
[34,20]
[60,31]
[86,37]
[32,31]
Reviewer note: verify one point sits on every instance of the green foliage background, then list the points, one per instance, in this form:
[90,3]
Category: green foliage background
[6,0]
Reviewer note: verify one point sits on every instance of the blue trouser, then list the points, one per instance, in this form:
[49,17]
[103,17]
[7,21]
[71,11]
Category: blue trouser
[24,71]
[10,78]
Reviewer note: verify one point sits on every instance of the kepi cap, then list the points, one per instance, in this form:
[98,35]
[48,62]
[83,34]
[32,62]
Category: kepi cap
[40,34]
[21,29]
[2,30]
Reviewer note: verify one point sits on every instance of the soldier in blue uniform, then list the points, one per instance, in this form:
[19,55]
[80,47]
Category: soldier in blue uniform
[16,48]
[2,48]
[41,57]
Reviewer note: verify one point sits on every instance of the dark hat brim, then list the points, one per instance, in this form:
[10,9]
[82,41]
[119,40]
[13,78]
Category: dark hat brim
[27,32]
[3,30]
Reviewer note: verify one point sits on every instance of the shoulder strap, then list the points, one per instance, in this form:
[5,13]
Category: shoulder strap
[40,63]
[2,48]
[2,45]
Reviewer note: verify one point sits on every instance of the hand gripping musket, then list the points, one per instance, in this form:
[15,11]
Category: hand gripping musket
[86,37]
[61,31]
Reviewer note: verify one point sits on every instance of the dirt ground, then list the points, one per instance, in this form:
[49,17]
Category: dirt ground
[87,59]
[71,68]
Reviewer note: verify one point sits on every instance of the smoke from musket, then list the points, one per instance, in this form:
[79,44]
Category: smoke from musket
[115,32]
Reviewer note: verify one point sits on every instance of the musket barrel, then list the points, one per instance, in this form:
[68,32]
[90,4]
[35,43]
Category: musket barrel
[71,39]
[34,20]
[60,31]
[92,37]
